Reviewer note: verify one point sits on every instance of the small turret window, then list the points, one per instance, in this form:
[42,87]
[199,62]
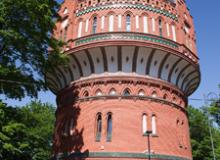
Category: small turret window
[126,92]
[141,93]
[99,93]
[94,25]
[160,27]
[128,23]
[112,92]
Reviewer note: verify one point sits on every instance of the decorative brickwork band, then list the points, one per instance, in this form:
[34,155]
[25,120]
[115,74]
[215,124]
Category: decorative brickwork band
[129,6]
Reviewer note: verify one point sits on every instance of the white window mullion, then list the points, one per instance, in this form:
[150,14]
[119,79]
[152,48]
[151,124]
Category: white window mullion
[87,25]
[174,32]
[168,29]
[153,25]
[119,21]
[145,19]
[137,21]
[103,22]
[144,123]
[80,30]
[111,23]
[154,130]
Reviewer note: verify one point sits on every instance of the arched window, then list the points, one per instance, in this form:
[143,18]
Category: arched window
[128,22]
[153,123]
[144,123]
[141,92]
[165,96]
[126,92]
[174,32]
[145,24]
[103,22]
[80,29]
[86,94]
[154,94]
[111,23]
[94,25]
[98,127]
[109,127]
[112,92]
[168,29]
[98,92]
[137,21]
[160,25]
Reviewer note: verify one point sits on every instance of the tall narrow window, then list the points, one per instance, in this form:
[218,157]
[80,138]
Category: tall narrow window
[109,127]
[137,21]
[65,34]
[144,123]
[102,22]
[145,24]
[94,25]
[65,130]
[168,29]
[153,24]
[160,27]
[80,29]
[174,32]
[119,21]
[61,35]
[98,127]
[71,126]
[128,23]
[87,25]
[111,23]
[153,123]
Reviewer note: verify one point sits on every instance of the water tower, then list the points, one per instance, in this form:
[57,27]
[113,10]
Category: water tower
[123,94]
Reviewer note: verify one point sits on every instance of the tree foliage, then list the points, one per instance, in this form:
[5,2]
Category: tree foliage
[200,135]
[26,133]
[25,37]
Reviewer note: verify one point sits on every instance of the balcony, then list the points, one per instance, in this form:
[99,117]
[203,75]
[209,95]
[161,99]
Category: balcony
[134,38]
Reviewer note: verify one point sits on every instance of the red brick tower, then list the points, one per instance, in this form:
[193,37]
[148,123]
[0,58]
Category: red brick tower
[132,65]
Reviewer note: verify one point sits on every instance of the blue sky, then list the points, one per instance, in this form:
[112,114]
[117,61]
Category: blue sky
[207,25]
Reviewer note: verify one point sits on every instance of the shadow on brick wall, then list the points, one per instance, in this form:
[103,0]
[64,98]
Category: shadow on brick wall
[68,139]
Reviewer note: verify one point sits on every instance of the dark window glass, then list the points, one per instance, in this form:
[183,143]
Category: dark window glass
[99,128]
[94,25]
[109,127]
[126,92]
[160,27]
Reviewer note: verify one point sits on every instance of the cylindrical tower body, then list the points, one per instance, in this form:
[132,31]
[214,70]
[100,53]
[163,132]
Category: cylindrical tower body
[123,94]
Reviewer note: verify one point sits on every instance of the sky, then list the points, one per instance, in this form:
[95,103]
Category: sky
[207,25]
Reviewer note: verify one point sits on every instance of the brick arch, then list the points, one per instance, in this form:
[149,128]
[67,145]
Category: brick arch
[94,15]
[128,12]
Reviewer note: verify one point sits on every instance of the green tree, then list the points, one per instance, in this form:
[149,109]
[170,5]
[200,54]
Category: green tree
[200,135]
[26,133]
[25,37]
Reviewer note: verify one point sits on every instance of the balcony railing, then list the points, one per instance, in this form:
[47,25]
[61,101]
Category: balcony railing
[125,36]
[132,36]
